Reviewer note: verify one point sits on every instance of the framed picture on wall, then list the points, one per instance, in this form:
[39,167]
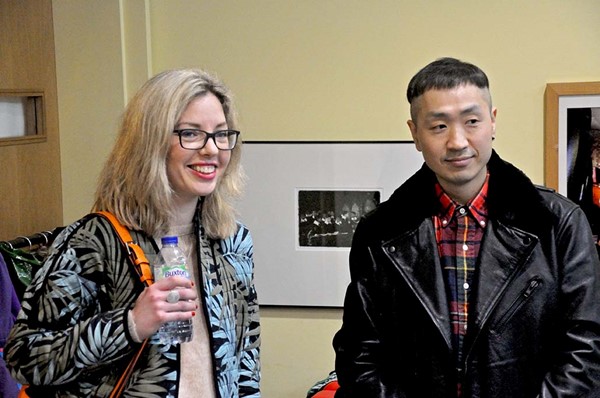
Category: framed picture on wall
[327,218]
[572,145]
[302,202]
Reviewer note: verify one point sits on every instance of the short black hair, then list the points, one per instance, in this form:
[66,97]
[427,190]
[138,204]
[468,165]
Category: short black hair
[443,74]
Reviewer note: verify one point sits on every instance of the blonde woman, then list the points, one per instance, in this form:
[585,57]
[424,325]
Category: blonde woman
[174,170]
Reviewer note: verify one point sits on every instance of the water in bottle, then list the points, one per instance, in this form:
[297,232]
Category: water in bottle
[171,262]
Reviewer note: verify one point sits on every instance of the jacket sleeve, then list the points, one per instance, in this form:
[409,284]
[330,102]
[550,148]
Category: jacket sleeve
[359,359]
[250,360]
[65,327]
[577,368]
[249,365]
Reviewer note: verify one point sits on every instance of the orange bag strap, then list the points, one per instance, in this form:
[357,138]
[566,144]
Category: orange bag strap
[120,386]
[134,251]
[142,266]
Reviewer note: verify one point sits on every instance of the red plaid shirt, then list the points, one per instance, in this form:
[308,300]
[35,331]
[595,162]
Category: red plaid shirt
[459,230]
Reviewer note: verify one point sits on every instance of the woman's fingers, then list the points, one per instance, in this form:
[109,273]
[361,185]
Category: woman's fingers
[167,300]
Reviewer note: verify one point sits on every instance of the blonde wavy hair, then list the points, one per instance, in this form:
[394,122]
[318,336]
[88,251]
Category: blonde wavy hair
[133,184]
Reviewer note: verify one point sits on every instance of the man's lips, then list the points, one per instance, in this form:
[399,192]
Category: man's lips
[459,161]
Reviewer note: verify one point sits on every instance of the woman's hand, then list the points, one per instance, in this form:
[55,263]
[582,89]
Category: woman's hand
[152,309]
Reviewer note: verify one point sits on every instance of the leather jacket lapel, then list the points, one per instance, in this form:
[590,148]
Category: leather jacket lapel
[416,257]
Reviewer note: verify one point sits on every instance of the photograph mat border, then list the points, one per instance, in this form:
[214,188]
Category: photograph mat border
[285,276]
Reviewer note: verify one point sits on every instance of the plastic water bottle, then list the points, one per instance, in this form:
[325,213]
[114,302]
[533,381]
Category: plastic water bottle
[171,262]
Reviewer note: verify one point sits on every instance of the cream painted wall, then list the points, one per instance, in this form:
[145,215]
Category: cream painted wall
[90,94]
[312,70]
[102,57]
[338,69]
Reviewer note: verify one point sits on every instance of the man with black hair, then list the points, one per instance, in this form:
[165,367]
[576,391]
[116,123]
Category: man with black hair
[470,281]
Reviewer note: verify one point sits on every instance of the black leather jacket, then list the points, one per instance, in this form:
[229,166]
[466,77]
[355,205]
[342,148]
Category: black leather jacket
[534,328]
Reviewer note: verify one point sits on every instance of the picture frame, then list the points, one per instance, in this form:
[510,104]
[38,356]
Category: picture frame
[572,145]
[289,181]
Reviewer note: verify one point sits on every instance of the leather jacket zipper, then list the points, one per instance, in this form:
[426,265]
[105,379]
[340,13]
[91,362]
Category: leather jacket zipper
[517,304]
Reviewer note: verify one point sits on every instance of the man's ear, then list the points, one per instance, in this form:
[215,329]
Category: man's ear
[413,131]
[493,115]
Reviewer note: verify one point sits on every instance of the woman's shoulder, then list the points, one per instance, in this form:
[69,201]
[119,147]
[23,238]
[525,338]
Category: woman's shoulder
[90,230]
[239,243]
[242,228]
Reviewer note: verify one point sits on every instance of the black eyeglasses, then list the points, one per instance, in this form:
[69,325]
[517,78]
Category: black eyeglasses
[195,139]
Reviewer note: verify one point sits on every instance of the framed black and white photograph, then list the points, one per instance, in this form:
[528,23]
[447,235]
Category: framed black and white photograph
[572,145]
[327,218]
[302,202]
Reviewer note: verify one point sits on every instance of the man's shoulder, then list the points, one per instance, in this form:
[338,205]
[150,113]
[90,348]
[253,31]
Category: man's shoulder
[554,201]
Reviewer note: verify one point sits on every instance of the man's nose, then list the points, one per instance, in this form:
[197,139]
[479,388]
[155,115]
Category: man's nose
[457,138]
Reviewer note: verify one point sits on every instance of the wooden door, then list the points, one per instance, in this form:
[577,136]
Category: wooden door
[30,181]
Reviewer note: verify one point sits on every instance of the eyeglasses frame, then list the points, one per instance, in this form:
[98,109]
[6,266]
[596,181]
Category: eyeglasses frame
[212,135]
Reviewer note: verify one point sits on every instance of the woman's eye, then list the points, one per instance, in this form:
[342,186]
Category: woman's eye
[189,134]
[222,136]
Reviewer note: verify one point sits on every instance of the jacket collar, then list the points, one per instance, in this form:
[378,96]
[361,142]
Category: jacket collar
[512,199]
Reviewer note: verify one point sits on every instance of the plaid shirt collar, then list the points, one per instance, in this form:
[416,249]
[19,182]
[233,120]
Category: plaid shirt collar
[476,206]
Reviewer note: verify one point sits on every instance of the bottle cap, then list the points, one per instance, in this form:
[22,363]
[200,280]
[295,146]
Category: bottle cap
[169,240]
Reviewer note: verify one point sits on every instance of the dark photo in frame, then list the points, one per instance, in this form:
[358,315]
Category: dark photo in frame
[583,162]
[328,218]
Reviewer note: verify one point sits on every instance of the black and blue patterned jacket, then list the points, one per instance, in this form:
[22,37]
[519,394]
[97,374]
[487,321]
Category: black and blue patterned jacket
[71,338]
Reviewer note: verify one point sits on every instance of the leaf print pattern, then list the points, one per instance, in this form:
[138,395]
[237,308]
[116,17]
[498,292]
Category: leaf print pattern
[233,313]
[71,338]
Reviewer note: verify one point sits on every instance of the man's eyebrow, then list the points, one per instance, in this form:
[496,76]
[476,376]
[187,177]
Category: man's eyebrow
[436,115]
[475,108]
[471,109]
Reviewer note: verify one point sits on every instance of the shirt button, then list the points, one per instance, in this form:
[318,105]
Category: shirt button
[392,249]
[462,210]
[465,247]
[466,286]
[444,222]
[482,223]
[465,327]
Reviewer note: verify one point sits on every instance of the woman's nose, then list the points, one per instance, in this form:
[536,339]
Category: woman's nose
[210,148]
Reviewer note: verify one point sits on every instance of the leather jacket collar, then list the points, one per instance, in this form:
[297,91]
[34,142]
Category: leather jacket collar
[512,200]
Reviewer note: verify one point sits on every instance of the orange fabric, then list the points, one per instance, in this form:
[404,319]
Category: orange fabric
[334,385]
[328,391]
[23,393]
[324,394]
